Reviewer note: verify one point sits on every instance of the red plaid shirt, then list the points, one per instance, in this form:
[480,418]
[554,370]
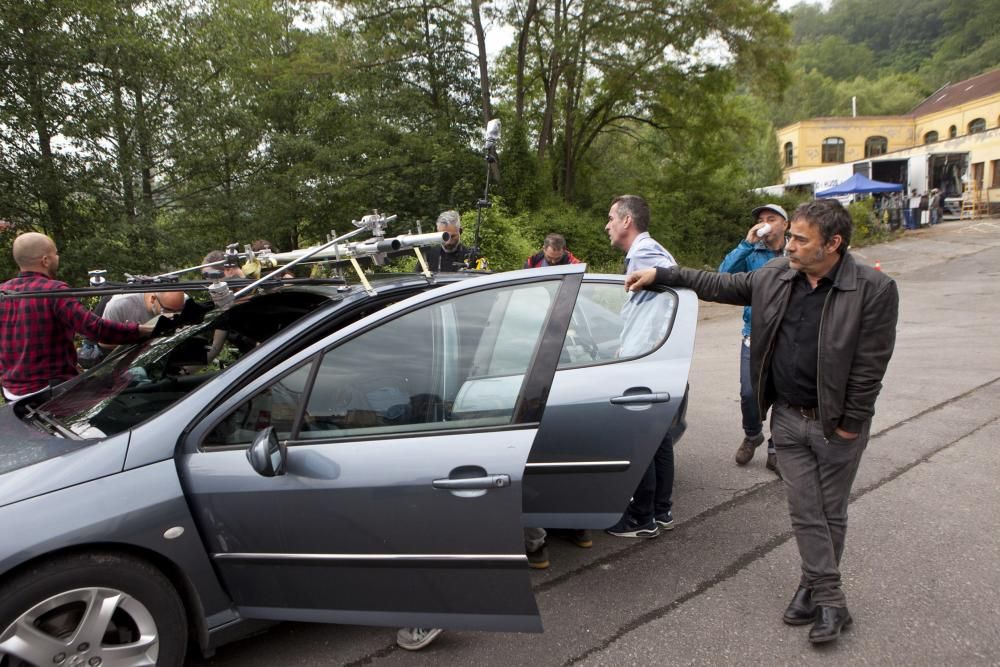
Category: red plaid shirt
[36,334]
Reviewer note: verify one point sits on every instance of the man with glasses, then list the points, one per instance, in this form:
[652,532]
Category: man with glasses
[142,307]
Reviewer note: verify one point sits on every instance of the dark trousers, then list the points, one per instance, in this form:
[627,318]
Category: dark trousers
[653,496]
[818,473]
[748,401]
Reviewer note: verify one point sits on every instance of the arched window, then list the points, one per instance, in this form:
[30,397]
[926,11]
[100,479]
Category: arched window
[952,132]
[875,146]
[930,137]
[978,125]
[833,149]
[789,157]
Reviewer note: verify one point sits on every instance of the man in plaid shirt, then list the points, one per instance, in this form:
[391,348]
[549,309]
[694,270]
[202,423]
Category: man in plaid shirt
[36,333]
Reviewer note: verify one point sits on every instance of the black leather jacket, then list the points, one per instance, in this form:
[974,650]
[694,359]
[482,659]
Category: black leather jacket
[857,331]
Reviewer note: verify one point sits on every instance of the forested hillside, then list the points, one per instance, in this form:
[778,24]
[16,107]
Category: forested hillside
[890,55]
[141,134]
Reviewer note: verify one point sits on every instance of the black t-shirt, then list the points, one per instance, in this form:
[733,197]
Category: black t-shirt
[439,260]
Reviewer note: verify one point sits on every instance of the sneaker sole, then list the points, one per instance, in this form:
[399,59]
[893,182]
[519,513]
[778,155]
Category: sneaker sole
[663,525]
[416,646]
[542,565]
[641,534]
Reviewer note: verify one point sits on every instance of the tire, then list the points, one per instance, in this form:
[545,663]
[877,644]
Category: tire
[139,618]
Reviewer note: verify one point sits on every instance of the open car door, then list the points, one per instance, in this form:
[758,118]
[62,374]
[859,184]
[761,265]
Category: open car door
[394,497]
[621,385]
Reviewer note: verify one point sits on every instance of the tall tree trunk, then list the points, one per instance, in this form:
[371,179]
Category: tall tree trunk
[484,75]
[522,53]
[125,161]
[552,81]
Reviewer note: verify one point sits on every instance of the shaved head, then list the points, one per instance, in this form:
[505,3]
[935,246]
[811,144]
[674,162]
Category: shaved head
[36,252]
[171,300]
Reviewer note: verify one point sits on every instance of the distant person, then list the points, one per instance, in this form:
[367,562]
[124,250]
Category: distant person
[553,253]
[651,506]
[750,254]
[450,256]
[210,272]
[936,205]
[912,211]
[824,329]
[36,333]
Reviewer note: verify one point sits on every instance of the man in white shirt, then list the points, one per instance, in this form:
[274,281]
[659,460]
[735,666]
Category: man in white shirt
[628,230]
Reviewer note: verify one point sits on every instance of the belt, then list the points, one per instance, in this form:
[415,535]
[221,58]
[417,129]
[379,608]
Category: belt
[807,413]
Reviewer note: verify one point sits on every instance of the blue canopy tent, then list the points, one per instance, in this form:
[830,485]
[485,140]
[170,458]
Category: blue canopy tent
[859,185]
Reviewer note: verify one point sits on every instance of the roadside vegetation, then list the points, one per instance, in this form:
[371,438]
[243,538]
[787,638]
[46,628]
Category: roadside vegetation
[142,134]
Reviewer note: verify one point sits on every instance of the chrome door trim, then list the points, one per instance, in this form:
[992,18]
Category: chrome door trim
[514,558]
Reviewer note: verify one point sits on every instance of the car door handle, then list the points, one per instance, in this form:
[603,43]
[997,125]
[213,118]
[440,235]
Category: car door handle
[473,483]
[642,399]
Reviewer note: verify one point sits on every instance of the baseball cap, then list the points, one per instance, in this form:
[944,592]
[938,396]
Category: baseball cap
[769,207]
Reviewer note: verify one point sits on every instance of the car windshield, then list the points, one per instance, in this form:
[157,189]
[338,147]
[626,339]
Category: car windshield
[137,382]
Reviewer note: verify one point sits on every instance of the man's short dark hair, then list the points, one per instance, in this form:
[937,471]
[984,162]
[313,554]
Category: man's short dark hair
[635,206]
[555,241]
[831,218]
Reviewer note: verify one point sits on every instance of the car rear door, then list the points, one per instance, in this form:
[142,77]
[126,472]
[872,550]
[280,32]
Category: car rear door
[621,384]
[407,435]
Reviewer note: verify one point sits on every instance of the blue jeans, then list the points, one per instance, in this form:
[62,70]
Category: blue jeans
[748,402]
[908,218]
[653,496]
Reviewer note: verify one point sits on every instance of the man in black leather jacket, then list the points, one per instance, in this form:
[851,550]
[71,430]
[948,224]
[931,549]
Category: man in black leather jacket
[824,330]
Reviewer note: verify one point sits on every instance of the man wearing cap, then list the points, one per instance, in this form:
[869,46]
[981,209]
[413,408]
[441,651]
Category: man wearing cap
[764,242]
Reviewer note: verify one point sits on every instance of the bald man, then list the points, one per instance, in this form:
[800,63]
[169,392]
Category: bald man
[142,307]
[36,333]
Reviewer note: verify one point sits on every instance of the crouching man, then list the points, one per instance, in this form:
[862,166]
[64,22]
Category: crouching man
[823,335]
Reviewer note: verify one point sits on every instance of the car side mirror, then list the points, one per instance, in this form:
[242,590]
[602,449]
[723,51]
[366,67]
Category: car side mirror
[267,455]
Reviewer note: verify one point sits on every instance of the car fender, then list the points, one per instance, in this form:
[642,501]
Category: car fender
[140,511]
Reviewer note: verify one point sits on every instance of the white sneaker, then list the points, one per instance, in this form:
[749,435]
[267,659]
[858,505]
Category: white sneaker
[414,639]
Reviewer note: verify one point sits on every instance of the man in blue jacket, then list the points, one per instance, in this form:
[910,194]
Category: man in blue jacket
[764,242]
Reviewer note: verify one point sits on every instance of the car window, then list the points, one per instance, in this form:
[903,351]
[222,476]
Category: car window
[276,405]
[454,364]
[609,324]
[139,381]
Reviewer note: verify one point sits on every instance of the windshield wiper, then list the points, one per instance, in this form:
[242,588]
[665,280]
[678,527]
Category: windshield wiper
[50,424]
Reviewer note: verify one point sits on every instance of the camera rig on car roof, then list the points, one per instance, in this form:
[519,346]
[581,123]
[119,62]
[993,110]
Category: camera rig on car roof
[335,250]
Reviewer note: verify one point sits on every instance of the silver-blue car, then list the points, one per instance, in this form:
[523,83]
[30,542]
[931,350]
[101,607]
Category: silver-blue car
[330,454]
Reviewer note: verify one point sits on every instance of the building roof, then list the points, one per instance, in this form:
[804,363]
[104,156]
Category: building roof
[951,95]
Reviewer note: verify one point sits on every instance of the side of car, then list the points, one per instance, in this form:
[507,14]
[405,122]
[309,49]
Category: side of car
[404,438]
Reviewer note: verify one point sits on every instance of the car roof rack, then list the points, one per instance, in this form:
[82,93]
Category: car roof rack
[335,250]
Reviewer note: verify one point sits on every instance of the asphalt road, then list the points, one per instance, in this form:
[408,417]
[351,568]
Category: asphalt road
[922,564]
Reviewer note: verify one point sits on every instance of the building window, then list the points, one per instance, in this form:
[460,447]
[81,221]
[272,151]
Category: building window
[978,125]
[833,149]
[995,183]
[952,132]
[875,146]
[930,137]
[788,154]
[977,176]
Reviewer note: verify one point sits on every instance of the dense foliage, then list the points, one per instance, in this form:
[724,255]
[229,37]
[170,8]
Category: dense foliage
[141,134]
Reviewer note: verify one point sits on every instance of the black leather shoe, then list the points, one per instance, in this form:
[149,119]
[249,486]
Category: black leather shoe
[829,622]
[801,610]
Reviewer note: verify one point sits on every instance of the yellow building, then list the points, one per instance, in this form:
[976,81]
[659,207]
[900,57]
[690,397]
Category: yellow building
[950,141]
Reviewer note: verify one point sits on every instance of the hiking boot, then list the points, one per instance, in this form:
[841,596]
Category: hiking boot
[772,463]
[629,527]
[582,538]
[665,521]
[747,448]
[414,639]
[539,558]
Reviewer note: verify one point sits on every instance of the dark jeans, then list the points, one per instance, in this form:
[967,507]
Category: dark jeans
[818,473]
[653,496]
[748,402]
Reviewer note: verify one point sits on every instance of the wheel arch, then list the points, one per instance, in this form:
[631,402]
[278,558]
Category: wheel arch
[194,611]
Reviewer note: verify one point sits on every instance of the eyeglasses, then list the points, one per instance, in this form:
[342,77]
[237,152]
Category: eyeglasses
[164,309]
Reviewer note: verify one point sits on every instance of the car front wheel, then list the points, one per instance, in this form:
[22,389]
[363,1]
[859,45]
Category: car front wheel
[98,609]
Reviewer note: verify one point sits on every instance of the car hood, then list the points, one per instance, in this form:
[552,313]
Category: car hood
[33,462]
